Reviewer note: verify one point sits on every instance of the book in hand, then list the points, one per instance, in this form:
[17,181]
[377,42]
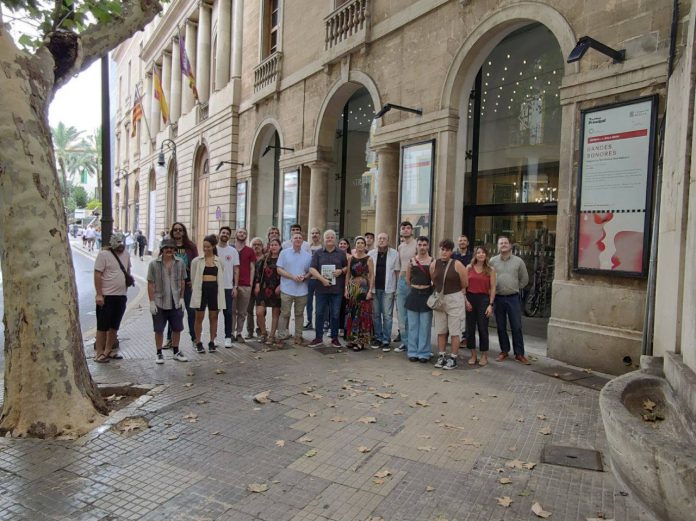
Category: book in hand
[327,271]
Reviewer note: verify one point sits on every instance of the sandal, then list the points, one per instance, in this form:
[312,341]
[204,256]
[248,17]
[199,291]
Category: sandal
[472,360]
[270,341]
[483,362]
[102,359]
[115,356]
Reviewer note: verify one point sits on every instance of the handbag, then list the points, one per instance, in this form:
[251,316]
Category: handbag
[436,300]
[130,281]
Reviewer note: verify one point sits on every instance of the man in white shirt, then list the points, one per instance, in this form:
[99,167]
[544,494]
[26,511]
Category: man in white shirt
[229,257]
[296,228]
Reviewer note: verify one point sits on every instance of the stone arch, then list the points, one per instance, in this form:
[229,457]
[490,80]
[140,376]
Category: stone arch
[489,33]
[336,99]
[264,131]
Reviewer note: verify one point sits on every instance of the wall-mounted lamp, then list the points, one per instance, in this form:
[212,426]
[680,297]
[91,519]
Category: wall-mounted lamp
[171,145]
[269,147]
[388,106]
[227,162]
[586,43]
[119,172]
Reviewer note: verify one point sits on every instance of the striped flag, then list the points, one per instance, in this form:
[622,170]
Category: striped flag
[159,94]
[186,66]
[137,112]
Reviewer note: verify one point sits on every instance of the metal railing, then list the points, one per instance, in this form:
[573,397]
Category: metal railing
[345,21]
[268,71]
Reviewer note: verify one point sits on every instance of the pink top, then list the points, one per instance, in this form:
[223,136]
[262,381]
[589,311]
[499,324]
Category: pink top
[479,283]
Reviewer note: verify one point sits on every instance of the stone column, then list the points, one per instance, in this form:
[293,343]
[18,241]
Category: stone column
[222,50]
[203,53]
[237,30]
[151,109]
[175,100]
[187,98]
[167,81]
[318,191]
[387,192]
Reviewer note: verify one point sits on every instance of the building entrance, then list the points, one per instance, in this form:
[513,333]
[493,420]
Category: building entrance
[511,178]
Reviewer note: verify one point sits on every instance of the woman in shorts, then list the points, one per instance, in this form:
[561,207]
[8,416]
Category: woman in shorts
[207,291]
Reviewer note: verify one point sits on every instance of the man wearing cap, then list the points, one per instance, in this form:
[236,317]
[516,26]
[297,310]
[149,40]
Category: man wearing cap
[166,282]
[111,271]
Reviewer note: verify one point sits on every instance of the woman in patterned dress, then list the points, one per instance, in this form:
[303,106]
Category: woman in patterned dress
[267,290]
[360,279]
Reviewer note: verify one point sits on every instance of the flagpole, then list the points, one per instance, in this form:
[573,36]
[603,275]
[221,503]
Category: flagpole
[147,125]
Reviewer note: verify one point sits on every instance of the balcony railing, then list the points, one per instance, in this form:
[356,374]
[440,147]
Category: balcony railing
[202,111]
[349,19]
[267,73]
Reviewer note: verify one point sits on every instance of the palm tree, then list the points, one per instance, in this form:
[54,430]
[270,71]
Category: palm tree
[64,140]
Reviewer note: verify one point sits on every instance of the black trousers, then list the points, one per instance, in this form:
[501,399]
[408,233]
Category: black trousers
[476,318]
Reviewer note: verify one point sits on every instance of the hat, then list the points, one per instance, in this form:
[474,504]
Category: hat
[168,243]
[116,240]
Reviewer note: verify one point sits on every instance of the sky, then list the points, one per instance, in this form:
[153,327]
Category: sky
[78,103]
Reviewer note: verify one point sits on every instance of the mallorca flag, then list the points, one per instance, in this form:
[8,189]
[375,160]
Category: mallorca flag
[159,94]
[186,66]
[137,112]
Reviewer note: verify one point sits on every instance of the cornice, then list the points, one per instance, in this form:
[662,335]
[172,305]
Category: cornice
[165,29]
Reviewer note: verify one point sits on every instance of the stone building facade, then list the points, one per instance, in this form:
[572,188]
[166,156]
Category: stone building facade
[488,143]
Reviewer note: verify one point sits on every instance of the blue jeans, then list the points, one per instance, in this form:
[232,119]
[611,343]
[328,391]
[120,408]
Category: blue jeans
[228,312]
[382,313]
[419,325]
[311,285]
[327,303]
[509,307]
[402,291]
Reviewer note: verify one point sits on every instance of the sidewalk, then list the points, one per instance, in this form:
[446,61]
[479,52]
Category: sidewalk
[446,439]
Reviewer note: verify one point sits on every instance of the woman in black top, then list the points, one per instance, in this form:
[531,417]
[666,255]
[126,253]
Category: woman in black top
[420,316]
[267,290]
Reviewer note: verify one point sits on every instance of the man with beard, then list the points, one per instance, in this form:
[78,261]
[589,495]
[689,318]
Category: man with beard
[111,280]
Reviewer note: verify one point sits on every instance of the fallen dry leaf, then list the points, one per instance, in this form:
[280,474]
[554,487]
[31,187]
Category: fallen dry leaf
[262,397]
[173,437]
[598,519]
[524,493]
[219,371]
[363,449]
[545,431]
[382,473]
[312,414]
[437,373]
[216,433]
[541,417]
[504,481]
[339,419]
[257,487]
[202,402]
[425,448]
[475,418]
[189,374]
[305,439]
[368,419]
[520,419]
[191,418]
[500,470]
[512,449]
[398,413]
[132,424]
[428,488]
[492,395]
[649,405]
[424,436]
[514,464]
[280,443]
[378,481]
[588,370]
[386,396]
[422,403]
[529,466]
[504,501]
[188,385]
[538,510]
[311,453]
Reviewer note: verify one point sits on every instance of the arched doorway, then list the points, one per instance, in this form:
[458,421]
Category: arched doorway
[512,127]
[136,206]
[171,194]
[201,182]
[151,210]
[266,185]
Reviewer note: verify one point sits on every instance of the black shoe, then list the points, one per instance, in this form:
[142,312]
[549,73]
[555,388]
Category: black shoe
[451,363]
[400,349]
[308,326]
[424,360]
[398,337]
[212,348]
[199,348]
[412,358]
[375,343]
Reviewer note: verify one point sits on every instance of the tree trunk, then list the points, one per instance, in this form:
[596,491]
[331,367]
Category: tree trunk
[48,388]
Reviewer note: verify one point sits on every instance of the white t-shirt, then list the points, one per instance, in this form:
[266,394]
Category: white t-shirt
[229,257]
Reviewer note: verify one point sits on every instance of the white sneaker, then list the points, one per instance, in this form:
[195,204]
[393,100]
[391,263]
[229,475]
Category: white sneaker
[179,357]
[160,359]
[228,343]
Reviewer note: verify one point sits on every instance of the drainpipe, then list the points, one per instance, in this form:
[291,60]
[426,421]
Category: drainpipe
[649,319]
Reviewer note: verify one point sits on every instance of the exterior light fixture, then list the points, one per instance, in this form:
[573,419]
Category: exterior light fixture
[269,147]
[229,163]
[171,145]
[117,173]
[586,43]
[388,106]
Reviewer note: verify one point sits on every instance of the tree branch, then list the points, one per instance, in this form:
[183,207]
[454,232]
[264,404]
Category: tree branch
[100,38]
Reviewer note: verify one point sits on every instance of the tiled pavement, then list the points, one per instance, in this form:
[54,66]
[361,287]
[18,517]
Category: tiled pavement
[443,436]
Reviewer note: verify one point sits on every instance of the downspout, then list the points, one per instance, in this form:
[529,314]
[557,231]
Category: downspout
[649,320]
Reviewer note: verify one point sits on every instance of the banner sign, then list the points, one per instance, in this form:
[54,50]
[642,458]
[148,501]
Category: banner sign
[615,188]
[416,200]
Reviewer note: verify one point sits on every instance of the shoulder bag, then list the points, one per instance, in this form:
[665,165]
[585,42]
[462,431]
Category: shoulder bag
[130,281]
[436,301]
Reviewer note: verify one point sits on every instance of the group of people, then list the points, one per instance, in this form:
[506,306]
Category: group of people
[341,288]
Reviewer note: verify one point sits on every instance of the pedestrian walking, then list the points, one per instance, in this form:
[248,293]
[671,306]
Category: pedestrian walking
[480,296]
[358,293]
[329,266]
[314,245]
[244,299]
[229,257]
[449,280]
[166,282]
[142,242]
[98,238]
[420,316]
[112,279]
[293,268]
[387,267]
[407,250]
[257,249]
[511,279]
[90,235]
[130,243]
[207,291]
[267,291]
[186,251]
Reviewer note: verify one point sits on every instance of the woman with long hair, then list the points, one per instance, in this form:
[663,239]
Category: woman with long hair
[360,280]
[343,244]
[208,291]
[186,251]
[480,295]
[267,291]
[256,245]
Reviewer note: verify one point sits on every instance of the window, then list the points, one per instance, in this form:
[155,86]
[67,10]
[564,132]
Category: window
[272,29]
[416,185]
